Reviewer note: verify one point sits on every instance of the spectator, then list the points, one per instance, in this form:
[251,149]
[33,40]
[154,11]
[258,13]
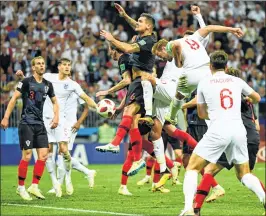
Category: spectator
[104,83]
[106,133]
[257,14]
[81,68]
[120,34]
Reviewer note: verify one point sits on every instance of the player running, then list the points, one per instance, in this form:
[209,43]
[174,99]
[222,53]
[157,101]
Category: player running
[31,130]
[189,53]
[219,99]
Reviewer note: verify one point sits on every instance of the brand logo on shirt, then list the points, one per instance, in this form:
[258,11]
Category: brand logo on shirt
[28,143]
[65,86]
[46,88]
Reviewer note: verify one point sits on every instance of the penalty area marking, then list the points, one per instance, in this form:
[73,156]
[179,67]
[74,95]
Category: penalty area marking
[70,209]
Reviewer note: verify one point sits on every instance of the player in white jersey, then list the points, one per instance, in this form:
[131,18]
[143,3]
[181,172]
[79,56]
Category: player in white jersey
[63,87]
[189,52]
[73,124]
[219,100]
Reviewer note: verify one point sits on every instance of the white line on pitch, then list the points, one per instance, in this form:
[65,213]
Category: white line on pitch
[70,209]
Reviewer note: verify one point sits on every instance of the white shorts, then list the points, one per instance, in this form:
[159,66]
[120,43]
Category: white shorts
[165,89]
[160,109]
[71,140]
[193,78]
[59,134]
[224,137]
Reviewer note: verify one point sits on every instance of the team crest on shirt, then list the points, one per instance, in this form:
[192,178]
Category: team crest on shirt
[142,42]
[19,85]
[28,143]
[65,86]
[46,88]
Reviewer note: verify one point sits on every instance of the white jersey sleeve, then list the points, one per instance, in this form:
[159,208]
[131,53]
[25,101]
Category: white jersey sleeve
[202,24]
[198,36]
[246,89]
[77,88]
[81,101]
[200,96]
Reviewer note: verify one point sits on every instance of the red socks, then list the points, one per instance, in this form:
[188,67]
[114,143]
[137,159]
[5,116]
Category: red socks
[126,167]
[38,171]
[169,163]
[122,130]
[22,172]
[136,142]
[157,175]
[149,164]
[183,136]
[203,190]
[148,147]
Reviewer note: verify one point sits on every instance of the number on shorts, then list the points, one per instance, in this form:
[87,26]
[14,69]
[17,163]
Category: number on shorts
[225,94]
[193,44]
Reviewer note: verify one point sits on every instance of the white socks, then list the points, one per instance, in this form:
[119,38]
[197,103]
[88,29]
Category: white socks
[190,188]
[158,148]
[50,164]
[253,184]
[175,105]
[147,96]
[60,169]
[78,166]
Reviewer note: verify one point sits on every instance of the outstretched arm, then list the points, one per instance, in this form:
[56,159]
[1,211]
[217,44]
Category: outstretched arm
[123,14]
[203,32]
[9,109]
[122,84]
[91,103]
[125,47]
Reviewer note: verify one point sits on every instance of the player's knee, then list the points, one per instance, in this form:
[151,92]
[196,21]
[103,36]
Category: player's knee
[63,147]
[27,154]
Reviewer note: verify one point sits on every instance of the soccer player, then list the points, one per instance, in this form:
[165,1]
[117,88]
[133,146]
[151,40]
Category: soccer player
[189,53]
[142,59]
[32,132]
[219,100]
[252,126]
[73,125]
[63,87]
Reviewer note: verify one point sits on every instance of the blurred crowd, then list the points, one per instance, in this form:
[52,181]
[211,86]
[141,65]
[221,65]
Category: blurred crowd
[56,29]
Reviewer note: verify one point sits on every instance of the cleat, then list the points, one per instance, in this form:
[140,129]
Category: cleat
[169,120]
[177,182]
[124,191]
[58,190]
[163,179]
[174,172]
[147,120]
[216,193]
[91,177]
[108,148]
[197,211]
[35,191]
[69,188]
[136,167]
[23,194]
[161,189]
[52,191]
[145,180]
[189,212]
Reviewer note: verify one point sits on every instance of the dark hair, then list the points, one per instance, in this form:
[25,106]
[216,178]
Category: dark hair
[64,60]
[218,60]
[233,72]
[188,32]
[150,18]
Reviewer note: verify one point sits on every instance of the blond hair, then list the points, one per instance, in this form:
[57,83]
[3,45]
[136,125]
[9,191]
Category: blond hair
[159,45]
[35,58]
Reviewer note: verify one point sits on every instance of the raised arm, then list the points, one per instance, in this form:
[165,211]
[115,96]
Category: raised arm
[123,14]
[9,109]
[203,32]
[122,84]
[124,47]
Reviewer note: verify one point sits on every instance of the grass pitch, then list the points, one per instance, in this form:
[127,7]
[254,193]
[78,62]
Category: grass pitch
[104,199]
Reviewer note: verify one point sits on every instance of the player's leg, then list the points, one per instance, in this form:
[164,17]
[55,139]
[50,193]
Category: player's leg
[25,133]
[124,177]
[156,179]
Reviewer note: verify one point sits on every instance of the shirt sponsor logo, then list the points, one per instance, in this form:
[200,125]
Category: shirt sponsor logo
[28,143]
[122,67]
[142,42]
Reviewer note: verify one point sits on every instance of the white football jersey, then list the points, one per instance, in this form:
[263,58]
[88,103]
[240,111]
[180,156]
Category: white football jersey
[222,94]
[171,71]
[194,54]
[62,90]
[71,108]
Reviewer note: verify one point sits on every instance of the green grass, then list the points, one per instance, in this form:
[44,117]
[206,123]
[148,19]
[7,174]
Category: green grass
[237,201]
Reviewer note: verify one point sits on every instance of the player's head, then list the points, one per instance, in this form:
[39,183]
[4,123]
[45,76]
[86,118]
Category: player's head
[64,66]
[233,72]
[145,23]
[160,49]
[218,61]
[115,53]
[187,33]
[38,65]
